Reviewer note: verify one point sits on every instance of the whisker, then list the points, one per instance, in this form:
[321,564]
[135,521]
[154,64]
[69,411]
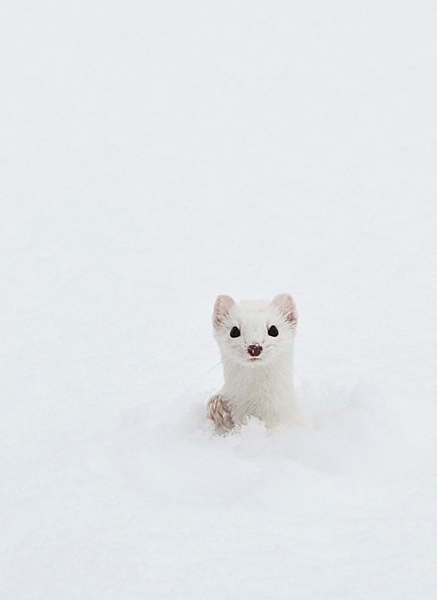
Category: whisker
[203,376]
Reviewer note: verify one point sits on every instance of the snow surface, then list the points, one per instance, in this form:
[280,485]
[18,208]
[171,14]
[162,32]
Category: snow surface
[153,155]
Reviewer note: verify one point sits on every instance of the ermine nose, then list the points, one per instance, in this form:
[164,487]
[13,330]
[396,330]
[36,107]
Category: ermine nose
[254,350]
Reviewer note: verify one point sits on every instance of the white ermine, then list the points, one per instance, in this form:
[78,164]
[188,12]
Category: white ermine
[256,340]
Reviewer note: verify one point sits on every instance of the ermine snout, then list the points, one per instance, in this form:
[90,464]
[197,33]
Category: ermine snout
[254,350]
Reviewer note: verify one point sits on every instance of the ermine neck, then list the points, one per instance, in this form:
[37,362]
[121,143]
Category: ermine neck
[262,379]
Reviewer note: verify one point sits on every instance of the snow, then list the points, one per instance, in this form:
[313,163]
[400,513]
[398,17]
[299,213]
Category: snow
[153,156]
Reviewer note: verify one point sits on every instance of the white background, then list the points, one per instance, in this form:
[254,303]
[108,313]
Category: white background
[154,154]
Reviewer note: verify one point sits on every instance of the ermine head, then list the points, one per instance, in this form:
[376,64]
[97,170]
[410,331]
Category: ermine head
[254,332]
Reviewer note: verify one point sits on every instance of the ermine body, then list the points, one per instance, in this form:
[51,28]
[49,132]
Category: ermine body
[256,341]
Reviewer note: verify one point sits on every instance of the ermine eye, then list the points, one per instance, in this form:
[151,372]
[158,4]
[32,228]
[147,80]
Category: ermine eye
[235,332]
[273,331]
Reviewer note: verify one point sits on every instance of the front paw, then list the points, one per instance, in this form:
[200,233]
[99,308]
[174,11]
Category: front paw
[218,411]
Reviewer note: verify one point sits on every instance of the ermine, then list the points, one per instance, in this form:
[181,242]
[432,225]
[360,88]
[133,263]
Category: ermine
[256,340]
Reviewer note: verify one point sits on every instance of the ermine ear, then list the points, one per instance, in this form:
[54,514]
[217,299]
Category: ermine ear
[221,308]
[286,305]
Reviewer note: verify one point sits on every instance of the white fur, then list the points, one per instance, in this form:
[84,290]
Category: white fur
[259,386]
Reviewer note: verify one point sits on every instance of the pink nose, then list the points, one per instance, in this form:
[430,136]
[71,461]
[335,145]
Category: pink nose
[255,350]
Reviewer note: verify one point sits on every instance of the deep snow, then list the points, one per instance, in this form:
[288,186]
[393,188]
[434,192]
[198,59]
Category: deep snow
[154,155]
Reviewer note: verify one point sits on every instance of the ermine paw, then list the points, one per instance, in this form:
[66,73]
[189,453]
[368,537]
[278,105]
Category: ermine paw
[218,411]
